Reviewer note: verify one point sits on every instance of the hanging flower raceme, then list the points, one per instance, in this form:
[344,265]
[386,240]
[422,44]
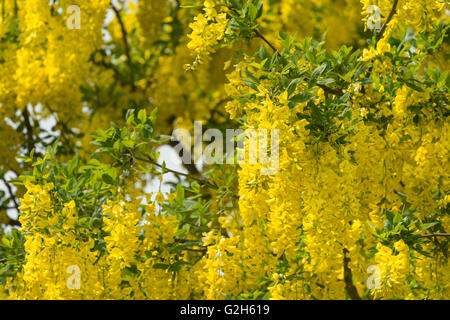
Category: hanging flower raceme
[208,30]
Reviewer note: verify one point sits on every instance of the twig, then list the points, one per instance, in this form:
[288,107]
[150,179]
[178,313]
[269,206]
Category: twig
[11,193]
[30,140]
[195,250]
[125,41]
[103,63]
[124,31]
[216,106]
[259,35]
[389,18]
[12,222]
[429,235]
[326,89]
[378,37]
[191,168]
[149,160]
[330,90]
[348,279]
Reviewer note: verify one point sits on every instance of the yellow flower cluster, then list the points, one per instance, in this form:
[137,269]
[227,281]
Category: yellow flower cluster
[59,249]
[393,270]
[46,72]
[420,15]
[53,246]
[300,233]
[151,15]
[337,197]
[208,30]
[417,14]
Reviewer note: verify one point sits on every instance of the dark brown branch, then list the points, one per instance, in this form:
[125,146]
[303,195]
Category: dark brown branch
[191,168]
[329,90]
[124,32]
[348,279]
[149,160]
[11,194]
[181,240]
[29,127]
[12,222]
[259,35]
[217,105]
[125,41]
[103,63]
[434,235]
[189,176]
[379,35]
[326,89]
[389,18]
[195,250]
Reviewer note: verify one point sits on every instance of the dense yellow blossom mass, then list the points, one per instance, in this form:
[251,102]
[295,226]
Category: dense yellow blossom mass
[358,92]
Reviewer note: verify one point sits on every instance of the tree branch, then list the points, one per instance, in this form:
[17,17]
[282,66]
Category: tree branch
[259,35]
[11,222]
[429,235]
[195,250]
[125,41]
[326,89]
[11,193]
[191,168]
[124,32]
[389,18]
[29,127]
[348,279]
[149,160]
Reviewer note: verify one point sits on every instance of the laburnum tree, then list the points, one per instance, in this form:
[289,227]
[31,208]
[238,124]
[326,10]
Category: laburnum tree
[359,206]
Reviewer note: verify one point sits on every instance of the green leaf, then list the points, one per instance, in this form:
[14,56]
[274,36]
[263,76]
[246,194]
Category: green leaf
[397,219]
[175,267]
[142,115]
[414,86]
[302,97]
[6,242]
[325,81]
[293,85]
[252,12]
[364,81]
[428,225]
[263,53]
[387,225]
[318,71]
[344,97]
[249,83]
[108,179]
[359,71]
[251,76]
[130,113]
